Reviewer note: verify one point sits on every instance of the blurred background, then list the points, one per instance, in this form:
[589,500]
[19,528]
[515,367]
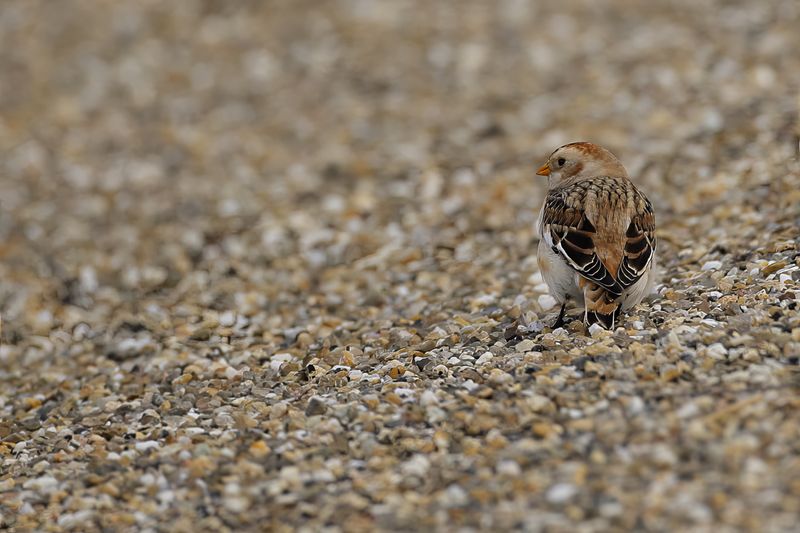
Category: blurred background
[143,141]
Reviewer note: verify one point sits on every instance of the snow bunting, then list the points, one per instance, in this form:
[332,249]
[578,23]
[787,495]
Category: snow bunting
[597,234]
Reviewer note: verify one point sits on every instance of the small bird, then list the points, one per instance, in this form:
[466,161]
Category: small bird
[597,234]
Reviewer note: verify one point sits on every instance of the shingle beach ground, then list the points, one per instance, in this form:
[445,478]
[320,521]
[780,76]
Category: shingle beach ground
[269,265]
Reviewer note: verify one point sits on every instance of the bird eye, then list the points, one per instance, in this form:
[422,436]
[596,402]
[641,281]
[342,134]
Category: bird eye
[561,161]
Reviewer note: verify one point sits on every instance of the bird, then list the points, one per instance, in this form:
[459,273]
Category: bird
[597,234]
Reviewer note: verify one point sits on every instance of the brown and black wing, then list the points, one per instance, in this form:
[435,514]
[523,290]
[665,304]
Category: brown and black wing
[570,233]
[640,243]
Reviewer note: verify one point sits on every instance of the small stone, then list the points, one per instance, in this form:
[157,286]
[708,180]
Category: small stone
[635,405]
[316,406]
[717,351]
[44,484]
[711,265]
[498,377]
[546,430]
[347,359]
[202,333]
[525,345]
[561,493]
[454,496]
[227,319]
[131,347]
[670,373]
[147,445]
[540,404]
[76,519]
[260,448]
[773,267]
[418,466]
[508,468]
[428,398]
[485,358]
[236,504]
[535,278]
[441,370]
[598,331]
[546,301]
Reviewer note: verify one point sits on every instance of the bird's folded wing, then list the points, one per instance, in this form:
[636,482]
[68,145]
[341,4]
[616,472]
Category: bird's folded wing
[640,243]
[570,233]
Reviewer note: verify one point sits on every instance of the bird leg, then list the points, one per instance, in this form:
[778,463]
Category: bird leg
[560,320]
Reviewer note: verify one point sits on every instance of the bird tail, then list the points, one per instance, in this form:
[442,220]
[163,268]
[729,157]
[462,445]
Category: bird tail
[601,307]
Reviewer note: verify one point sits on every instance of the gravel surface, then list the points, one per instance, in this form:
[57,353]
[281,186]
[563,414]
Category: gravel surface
[272,264]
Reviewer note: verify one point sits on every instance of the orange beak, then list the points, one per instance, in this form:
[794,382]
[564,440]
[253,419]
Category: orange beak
[544,170]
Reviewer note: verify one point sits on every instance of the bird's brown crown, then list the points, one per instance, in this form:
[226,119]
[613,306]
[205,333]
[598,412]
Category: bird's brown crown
[588,149]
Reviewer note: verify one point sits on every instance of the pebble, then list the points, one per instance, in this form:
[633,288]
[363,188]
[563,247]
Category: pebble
[227,319]
[76,519]
[561,493]
[147,445]
[133,347]
[485,358]
[716,351]
[546,301]
[455,496]
[316,406]
[417,466]
[525,345]
[44,484]
[597,331]
[711,265]
[428,398]
[508,468]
